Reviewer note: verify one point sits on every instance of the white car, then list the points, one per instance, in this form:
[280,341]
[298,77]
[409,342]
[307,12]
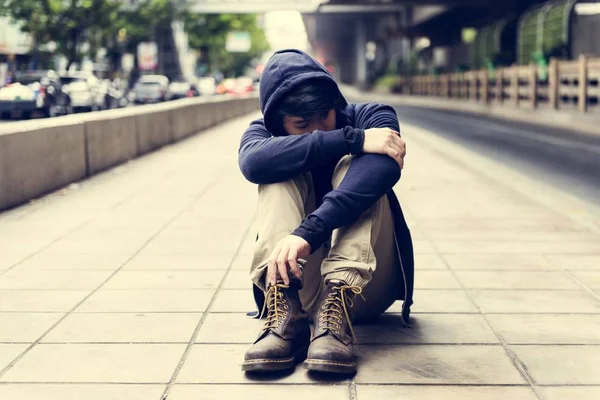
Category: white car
[151,89]
[183,87]
[207,86]
[85,91]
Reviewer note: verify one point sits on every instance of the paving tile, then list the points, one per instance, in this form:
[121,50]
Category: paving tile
[438,301]
[527,235]
[165,280]
[125,328]
[571,392]
[590,279]
[144,261]
[242,262]
[64,280]
[501,262]
[561,365]
[479,365]
[515,247]
[75,391]
[427,328]
[516,280]
[8,260]
[423,247]
[574,261]
[535,301]
[147,301]
[257,392]
[95,246]
[9,352]
[229,328]
[429,261]
[221,363]
[181,246]
[135,363]
[435,280]
[73,261]
[237,280]
[40,300]
[547,328]
[25,327]
[377,392]
[202,235]
[234,301]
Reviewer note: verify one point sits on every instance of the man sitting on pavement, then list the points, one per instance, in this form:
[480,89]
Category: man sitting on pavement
[333,246]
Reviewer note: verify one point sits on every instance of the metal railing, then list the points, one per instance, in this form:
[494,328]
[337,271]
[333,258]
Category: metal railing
[568,85]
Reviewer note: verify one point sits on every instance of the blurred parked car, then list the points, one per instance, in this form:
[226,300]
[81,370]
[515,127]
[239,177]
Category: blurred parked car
[151,89]
[39,91]
[237,86]
[226,86]
[85,90]
[207,86]
[182,87]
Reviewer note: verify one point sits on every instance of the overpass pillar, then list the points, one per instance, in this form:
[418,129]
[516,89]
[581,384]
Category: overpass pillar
[359,56]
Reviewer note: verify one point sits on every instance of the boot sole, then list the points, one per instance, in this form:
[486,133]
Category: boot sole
[335,367]
[275,364]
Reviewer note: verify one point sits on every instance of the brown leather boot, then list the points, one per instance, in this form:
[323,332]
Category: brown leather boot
[331,348]
[284,339]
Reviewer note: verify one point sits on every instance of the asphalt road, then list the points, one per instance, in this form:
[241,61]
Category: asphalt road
[567,160]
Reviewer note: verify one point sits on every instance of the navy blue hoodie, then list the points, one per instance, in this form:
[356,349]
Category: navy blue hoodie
[268,155]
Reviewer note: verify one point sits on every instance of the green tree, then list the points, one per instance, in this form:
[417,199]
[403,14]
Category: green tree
[69,23]
[149,20]
[208,34]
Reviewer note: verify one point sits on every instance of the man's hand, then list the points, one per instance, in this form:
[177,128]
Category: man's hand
[286,252]
[385,141]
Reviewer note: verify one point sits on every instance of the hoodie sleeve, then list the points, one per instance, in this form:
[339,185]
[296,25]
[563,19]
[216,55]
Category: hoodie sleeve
[266,159]
[369,177]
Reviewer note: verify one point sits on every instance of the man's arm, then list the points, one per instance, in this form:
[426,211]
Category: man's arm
[266,159]
[369,177]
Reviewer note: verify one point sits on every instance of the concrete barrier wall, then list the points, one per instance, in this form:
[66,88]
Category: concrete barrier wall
[39,156]
[154,130]
[37,159]
[110,141]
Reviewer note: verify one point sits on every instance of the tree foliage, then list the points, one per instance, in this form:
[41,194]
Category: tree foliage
[107,24]
[69,23]
[208,34]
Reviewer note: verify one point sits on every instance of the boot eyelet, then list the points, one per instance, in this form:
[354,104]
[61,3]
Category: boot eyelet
[321,329]
[337,332]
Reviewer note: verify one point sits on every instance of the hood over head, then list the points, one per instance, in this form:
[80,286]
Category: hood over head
[284,71]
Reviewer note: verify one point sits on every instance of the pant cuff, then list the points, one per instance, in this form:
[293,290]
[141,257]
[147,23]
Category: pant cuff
[350,277]
[259,278]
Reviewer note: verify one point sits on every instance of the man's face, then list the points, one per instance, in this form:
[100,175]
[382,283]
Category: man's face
[301,125]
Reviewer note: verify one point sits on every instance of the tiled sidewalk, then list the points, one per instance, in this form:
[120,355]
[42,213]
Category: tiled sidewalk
[133,285]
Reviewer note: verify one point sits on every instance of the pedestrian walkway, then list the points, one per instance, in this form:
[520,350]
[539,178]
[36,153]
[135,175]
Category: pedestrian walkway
[134,285]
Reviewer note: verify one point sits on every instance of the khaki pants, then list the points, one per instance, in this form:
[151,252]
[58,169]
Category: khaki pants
[362,254]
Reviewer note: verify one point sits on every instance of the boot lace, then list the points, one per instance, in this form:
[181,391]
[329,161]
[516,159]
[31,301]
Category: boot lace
[335,308]
[276,305]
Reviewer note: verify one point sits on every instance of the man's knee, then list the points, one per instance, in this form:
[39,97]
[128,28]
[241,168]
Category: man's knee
[340,170]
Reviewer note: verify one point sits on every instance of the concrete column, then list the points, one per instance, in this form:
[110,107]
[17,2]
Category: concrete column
[361,62]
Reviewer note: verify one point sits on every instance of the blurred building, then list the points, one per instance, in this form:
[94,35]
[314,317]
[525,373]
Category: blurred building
[15,48]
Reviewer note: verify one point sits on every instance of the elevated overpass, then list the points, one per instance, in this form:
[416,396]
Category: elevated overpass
[360,38]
